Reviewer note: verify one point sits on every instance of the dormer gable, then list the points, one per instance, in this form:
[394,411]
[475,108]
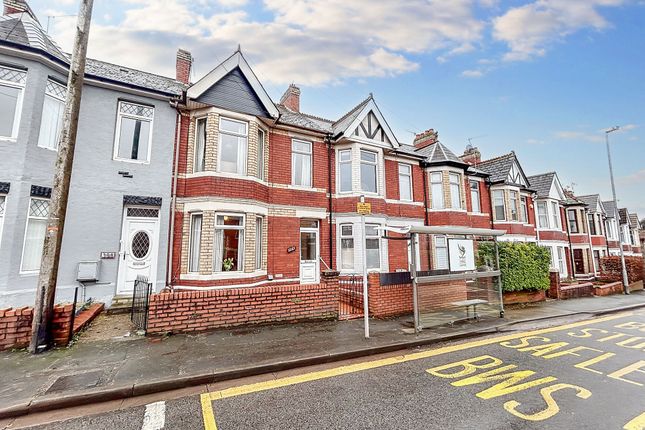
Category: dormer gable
[516,175]
[556,192]
[232,85]
[365,123]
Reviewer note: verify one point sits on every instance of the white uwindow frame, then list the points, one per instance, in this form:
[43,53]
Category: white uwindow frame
[243,149]
[405,175]
[543,215]
[499,201]
[54,93]
[195,239]
[441,246]
[514,203]
[555,215]
[524,209]
[436,189]
[261,153]
[561,261]
[475,197]
[217,265]
[374,164]
[24,241]
[14,78]
[454,180]
[259,228]
[117,134]
[199,159]
[373,237]
[302,153]
[345,159]
[346,233]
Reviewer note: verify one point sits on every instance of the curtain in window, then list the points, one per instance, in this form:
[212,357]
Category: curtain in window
[195,242]
[51,122]
[34,240]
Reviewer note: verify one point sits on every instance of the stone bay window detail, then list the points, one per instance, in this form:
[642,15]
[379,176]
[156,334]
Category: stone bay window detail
[499,205]
[233,139]
[446,190]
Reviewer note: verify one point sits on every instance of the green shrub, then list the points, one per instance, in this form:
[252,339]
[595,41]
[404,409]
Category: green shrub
[524,266]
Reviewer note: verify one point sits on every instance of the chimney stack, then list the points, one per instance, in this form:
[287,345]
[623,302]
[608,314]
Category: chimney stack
[291,98]
[184,64]
[471,155]
[426,138]
[18,6]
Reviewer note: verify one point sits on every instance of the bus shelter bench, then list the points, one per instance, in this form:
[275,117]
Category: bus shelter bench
[468,303]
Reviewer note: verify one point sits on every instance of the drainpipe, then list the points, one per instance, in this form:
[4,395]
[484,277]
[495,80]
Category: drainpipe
[173,196]
[331,208]
[593,259]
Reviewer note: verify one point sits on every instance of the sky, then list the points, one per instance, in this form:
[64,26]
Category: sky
[544,78]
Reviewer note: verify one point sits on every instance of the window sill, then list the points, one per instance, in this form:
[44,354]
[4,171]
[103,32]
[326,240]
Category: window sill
[448,210]
[8,139]
[28,274]
[48,149]
[216,276]
[124,160]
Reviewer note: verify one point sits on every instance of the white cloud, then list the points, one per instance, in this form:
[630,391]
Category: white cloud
[580,136]
[311,42]
[472,73]
[528,30]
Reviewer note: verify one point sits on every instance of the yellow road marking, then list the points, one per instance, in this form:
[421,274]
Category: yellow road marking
[208,398]
[637,423]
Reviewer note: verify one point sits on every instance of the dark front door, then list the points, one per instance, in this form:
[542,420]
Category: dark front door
[578,261]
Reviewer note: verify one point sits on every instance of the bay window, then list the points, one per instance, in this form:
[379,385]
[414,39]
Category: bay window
[561,262]
[573,221]
[301,163]
[513,202]
[436,187]
[12,86]
[347,246]
[345,170]
[372,246]
[200,145]
[592,224]
[405,182]
[134,132]
[499,204]
[543,218]
[194,246]
[32,250]
[258,243]
[233,141]
[441,252]
[52,117]
[475,197]
[555,215]
[524,210]
[369,175]
[455,190]
[261,143]
[229,243]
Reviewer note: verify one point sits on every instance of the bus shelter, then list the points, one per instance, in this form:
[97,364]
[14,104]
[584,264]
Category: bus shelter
[455,275]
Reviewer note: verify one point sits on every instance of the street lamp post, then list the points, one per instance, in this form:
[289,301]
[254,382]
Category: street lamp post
[613,191]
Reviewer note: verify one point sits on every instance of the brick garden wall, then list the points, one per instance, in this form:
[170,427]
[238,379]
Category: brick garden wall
[15,326]
[611,269]
[388,300]
[193,311]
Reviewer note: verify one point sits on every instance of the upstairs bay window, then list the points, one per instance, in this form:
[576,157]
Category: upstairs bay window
[369,175]
[258,242]
[543,218]
[233,141]
[592,224]
[32,250]
[512,195]
[52,117]
[475,197]
[499,205]
[345,170]
[261,142]
[194,245]
[134,132]
[12,86]
[436,188]
[229,243]
[455,190]
[555,215]
[200,145]
[573,221]
[301,163]
[405,182]
[524,209]
[347,247]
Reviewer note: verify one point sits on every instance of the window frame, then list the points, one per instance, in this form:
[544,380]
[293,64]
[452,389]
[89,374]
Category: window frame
[555,216]
[353,239]
[203,119]
[309,154]
[376,237]
[351,171]
[3,214]
[259,234]
[435,186]
[245,148]
[514,203]
[410,187]
[494,195]
[193,215]
[374,163]
[60,120]
[545,215]
[261,153]
[475,192]
[445,247]
[524,209]
[561,260]
[451,185]
[24,241]
[117,134]
[575,230]
[19,102]
[591,219]
[240,249]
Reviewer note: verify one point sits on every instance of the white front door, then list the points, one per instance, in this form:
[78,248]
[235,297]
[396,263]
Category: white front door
[139,245]
[309,252]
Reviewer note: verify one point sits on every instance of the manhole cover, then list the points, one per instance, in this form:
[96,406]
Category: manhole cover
[76,382]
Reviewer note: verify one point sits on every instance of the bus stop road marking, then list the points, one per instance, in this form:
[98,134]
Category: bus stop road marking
[208,398]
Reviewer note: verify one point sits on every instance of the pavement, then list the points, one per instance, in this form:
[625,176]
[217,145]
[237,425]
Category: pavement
[583,374]
[122,368]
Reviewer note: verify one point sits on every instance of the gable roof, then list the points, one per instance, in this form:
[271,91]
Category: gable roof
[21,31]
[593,201]
[437,153]
[349,122]
[500,167]
[542,183]
[610,208]
[236,60]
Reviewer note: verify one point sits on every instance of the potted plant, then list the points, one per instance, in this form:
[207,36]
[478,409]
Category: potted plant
[227,264]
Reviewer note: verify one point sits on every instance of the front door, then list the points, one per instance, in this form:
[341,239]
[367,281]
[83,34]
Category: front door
[309,251]
[578,261]
[139,244]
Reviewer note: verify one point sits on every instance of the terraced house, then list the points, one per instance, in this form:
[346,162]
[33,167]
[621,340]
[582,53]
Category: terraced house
[117,217]
[596,224]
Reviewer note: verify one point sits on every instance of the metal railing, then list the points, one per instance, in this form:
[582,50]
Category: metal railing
[350,297]
[140,302]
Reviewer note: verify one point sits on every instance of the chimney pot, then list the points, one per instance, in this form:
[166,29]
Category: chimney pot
[18,6]
[291,98]
[472,155]
[183,66]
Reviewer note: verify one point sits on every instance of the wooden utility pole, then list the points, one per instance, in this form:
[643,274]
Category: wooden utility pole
[46,292]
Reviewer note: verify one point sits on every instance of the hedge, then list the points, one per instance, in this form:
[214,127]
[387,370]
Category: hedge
[524,266]
[611,269]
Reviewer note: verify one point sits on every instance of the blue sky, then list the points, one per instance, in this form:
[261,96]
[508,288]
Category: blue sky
[543,78]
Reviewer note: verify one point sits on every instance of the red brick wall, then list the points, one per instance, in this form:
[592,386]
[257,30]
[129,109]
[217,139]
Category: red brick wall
[439,295]
[194,311]
[15,326]
[389,300]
